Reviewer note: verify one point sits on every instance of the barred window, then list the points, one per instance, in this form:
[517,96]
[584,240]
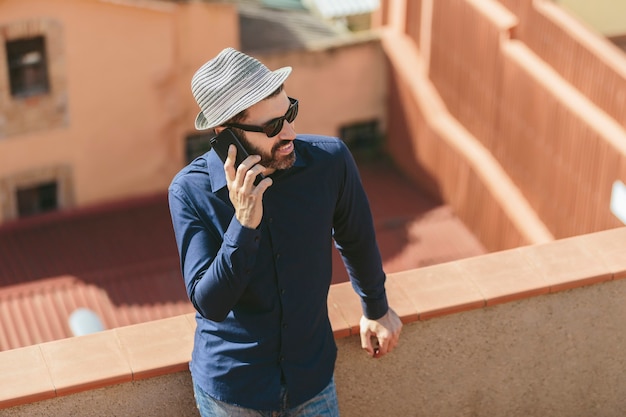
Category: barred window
[37,199]
[28,69]
[196,145]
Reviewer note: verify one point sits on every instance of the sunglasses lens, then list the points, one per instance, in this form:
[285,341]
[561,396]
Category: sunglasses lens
[291,114]
[274,127]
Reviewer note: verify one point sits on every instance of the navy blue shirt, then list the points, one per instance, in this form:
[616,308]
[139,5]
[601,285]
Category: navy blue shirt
[261,294]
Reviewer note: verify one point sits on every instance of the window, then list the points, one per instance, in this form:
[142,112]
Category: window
[197,145]
[28,69]
[36,191]
[361,136]
[38,199]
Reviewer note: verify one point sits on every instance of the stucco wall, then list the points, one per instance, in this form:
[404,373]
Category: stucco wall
[121,106]
[336,85]
[561,354]
[495,110]
[124,96]
[558,355]
[167,396]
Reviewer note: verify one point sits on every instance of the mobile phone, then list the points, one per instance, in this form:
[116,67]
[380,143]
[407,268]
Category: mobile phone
[221,143]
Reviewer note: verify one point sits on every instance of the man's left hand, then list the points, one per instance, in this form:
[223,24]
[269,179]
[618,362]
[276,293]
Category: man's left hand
[385,333]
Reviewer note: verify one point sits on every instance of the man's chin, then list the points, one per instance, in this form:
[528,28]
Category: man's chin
[285,162]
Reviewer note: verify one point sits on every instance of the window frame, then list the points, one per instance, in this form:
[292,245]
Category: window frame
[39,198]
[27,63]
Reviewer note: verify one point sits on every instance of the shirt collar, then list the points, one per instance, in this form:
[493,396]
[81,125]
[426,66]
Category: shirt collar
[215,167]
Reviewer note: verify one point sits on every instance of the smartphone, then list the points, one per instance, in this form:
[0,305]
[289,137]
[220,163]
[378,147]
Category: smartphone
[221,143]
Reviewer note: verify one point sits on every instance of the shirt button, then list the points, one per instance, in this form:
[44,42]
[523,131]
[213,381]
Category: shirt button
[277,256]
[284,325]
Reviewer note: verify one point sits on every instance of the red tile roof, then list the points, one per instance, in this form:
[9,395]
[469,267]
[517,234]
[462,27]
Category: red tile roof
[120,260]
[85,240]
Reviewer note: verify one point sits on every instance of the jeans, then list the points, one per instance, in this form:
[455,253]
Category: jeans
[323,404]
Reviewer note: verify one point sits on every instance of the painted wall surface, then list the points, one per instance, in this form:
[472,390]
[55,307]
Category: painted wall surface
[554,355]
[127,101]
[605,16]
[496,109]
[336,86]
[125,105]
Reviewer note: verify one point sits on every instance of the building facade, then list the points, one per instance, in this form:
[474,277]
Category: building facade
[94,97]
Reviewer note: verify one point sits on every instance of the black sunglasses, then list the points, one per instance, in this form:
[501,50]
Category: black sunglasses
[274,126]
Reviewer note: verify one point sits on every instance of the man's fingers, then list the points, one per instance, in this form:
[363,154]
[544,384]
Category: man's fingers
[381,336]
[377,346]
[263,185]
[229,163]
[366,343]
[385,344]
[239,174]
[252,173]
[248,164]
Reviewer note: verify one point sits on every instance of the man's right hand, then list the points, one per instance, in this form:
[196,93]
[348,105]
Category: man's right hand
[244,195]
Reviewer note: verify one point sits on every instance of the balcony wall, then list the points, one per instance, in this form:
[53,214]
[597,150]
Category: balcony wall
[536,330]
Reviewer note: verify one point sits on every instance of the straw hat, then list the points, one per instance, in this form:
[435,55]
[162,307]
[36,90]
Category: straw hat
[230,83]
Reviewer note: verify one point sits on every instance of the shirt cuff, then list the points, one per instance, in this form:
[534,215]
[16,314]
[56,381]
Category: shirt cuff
[375,309]
[242,237]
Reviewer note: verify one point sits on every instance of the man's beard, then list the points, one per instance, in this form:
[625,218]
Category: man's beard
[271,160]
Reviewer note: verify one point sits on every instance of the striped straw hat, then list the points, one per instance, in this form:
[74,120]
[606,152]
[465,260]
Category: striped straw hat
[230,83]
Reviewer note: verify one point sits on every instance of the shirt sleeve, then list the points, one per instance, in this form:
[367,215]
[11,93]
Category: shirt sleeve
[355,239]
[216,264]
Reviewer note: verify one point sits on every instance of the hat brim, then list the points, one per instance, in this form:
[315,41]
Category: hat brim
[201,122]
[267,86]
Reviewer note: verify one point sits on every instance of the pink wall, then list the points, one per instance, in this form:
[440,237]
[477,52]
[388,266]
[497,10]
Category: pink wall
[336,85]
[127,99]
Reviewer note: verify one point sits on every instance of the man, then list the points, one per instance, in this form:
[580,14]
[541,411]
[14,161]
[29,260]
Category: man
[256,259]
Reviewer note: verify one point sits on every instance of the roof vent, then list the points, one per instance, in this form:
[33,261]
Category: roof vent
[84,321]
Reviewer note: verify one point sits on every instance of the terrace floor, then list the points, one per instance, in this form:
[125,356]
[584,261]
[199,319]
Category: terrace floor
[120,260]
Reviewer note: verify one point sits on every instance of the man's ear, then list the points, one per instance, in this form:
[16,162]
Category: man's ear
[218,129]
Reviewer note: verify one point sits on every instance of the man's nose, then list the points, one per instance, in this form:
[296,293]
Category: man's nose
[288,131]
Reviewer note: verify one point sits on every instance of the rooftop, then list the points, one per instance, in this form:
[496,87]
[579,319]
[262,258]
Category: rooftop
[512,333]
[534,330]
[265,29]
[120,259]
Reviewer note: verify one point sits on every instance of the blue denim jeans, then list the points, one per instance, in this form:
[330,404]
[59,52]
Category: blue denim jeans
[323,404]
